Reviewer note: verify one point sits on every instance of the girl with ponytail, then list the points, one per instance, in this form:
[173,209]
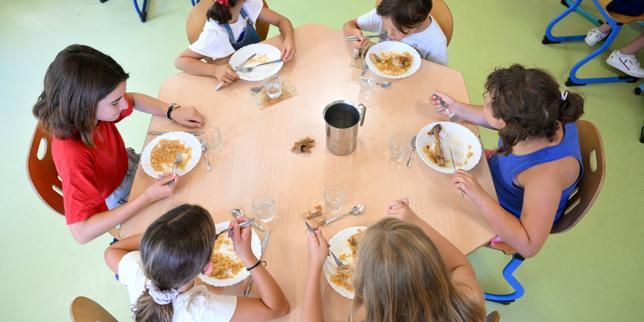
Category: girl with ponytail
[538,162]
[175,248]
[230,25]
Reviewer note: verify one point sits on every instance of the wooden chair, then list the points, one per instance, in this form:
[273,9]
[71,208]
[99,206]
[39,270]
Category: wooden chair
[579,202]
[442,14]
[197,19]
[494,316]
[84,309]
[42,172]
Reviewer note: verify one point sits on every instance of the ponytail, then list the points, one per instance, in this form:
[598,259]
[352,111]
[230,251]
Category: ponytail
[220,12]
[147,309]
[572,107]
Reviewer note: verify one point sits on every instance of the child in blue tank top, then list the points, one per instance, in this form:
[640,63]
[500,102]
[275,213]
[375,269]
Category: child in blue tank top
[538,162]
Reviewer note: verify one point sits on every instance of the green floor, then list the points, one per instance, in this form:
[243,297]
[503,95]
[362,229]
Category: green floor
[588,274]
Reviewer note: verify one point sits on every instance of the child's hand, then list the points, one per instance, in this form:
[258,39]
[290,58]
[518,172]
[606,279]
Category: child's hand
[225,74]
[362,40]
[188,116]
[162,188]
[467,183]
[443,103]
[318,248]
[400,209]
[242,238]
[288,49]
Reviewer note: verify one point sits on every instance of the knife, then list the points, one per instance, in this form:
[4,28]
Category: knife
[267,236]
[455,168]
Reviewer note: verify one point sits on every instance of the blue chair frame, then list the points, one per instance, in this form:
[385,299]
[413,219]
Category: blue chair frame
[508,270]
[142,11]
[549,38]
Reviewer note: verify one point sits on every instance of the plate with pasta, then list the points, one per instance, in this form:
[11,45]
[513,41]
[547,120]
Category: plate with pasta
[393,59]
[227,267]
[343,244]
[159,154]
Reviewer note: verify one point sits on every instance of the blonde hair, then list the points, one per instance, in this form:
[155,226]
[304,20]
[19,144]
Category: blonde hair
[400,276]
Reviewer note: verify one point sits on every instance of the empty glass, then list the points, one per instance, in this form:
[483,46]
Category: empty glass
[334,197]
[367,82]
[273,87]
[398,147]
[264,208]
[216,143]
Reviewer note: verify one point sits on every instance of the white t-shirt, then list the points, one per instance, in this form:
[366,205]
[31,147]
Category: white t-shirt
[213,41]
[196,304]
[431,43]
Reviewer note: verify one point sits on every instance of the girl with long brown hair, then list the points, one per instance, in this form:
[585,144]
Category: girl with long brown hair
[84,96]
[174,250]
[405,271]
[538,162]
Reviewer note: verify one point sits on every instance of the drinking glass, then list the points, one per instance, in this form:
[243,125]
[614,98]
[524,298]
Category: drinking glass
[334,197]
[273,87]
[264,208]
[367,82]
[398,146]
[216,143]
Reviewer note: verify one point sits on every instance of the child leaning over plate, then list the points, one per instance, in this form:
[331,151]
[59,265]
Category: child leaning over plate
[230,25]
[538,162]
[174,250]
[83,98]
[408,21]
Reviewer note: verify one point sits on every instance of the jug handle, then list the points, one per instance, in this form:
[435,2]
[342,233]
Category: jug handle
[363,111]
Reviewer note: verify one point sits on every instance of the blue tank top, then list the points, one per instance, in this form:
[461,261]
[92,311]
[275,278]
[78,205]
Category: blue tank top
[504,170]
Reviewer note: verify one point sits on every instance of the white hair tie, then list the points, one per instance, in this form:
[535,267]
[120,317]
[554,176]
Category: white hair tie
[162,297]
[564,95]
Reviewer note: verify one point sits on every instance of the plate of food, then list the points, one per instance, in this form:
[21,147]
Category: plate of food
[227,267]
[435,141]
[343,244]
[393,59]
[159,154]
[263,53]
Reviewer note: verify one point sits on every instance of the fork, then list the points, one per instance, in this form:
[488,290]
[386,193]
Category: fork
[455,168]
[204,152]
[354,38]
[178,158]
[242,225]
[250,68]
[337,261]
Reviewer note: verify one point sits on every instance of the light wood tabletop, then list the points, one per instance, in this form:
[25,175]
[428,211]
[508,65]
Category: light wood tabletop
[256,158]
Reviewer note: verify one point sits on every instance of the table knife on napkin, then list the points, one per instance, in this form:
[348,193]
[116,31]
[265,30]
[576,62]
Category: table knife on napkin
[267,236]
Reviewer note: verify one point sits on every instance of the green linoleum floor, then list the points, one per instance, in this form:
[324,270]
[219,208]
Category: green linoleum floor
[593,273]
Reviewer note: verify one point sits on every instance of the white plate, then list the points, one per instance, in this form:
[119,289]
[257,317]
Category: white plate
[227,249]
[465,146]
[186,138]
[396,46]
[263,51]
[340,245]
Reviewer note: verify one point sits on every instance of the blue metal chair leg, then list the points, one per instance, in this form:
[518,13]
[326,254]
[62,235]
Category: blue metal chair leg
[582,12]
[507,274]
[142,12]
[638,91]
[549,38]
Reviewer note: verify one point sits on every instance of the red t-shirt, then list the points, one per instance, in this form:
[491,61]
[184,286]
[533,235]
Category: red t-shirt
[90,175]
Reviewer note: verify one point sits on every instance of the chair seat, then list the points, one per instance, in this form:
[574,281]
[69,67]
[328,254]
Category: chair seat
[620,17]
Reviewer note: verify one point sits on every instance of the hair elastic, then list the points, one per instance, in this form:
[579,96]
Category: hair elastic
[162,297]
[222,2]
[256,264]
[564,95]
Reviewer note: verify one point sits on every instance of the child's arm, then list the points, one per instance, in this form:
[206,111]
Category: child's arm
[543,185]
[467,112]
[186,115]
[115,252]
[190,62]
[272,303]
[98,224]
[318,251]
[286,29]
[351,28]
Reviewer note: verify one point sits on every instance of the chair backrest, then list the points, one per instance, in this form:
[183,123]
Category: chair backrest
[42,172]
[592,154]
[84,309]
[442,14]
[494,316]
[197,19]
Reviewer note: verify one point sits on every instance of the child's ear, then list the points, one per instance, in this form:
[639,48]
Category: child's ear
[208,268]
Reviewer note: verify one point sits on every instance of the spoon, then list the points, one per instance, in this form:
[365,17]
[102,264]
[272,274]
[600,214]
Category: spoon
[355,211]
[204,152]
[413,151]
[236,212]
[242,225]
[256,89]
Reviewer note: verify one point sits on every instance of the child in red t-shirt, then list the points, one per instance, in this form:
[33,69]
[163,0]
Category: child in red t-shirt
[83,97]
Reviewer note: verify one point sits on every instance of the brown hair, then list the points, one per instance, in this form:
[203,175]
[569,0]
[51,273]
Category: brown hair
[405,14]
[78,78]
[530,103]
[174,250]
[220,13]
[400,276]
